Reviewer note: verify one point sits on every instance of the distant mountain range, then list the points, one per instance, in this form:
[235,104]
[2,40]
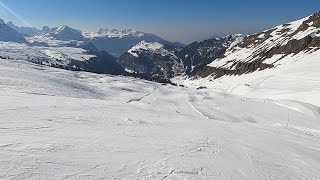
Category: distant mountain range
[135,53]
[117,42]
[26,31]
[8,34]
[113,41]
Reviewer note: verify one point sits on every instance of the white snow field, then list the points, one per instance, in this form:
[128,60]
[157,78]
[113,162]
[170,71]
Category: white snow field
[153,47]
[47,55]
[58,124]
[296,77]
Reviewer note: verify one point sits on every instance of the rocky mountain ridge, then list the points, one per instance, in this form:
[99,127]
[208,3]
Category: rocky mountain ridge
[212,58]
[266,49]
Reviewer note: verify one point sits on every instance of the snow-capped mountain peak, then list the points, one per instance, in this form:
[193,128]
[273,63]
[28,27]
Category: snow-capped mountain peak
[103,30]
[61,28]
[65,28]
[147,46]
[10,23]
[63,32]
[152,59]
[268,48]
[2,21]
[118,42]
[46,29]
[114,33]
[8,34]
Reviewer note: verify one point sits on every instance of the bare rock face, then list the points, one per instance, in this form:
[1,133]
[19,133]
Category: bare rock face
[199,54]
[240,68]
[317,20]
[313,20]
[255,39]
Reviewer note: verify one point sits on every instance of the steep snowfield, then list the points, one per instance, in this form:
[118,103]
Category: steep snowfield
[58,124]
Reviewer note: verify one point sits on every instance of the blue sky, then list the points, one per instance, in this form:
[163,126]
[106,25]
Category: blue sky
[176,20]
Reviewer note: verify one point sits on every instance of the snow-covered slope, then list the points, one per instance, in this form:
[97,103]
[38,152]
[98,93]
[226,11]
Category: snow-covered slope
[271,46]
[153,47]
[58,124]
[279,63]
[69,55]
[61,47]
[41,54]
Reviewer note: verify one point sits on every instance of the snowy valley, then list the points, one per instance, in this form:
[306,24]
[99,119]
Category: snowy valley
[234,107]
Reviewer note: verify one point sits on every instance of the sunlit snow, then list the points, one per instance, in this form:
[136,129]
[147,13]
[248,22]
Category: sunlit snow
[58,124]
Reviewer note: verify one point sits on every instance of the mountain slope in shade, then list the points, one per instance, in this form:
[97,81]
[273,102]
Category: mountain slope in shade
[102,62]
[7,34]
[199,54]
[152,59]
[26,31]
[156,59]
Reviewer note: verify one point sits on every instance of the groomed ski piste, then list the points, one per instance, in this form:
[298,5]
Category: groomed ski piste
[58,124]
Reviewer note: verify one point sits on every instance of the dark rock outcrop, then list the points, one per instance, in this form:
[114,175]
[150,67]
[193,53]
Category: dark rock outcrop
[239,69]
[199,54]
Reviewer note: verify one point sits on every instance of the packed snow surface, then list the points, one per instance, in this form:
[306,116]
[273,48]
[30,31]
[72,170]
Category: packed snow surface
[58,124]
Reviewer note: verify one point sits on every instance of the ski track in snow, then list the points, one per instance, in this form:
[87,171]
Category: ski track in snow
[58,124]
[195,108]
